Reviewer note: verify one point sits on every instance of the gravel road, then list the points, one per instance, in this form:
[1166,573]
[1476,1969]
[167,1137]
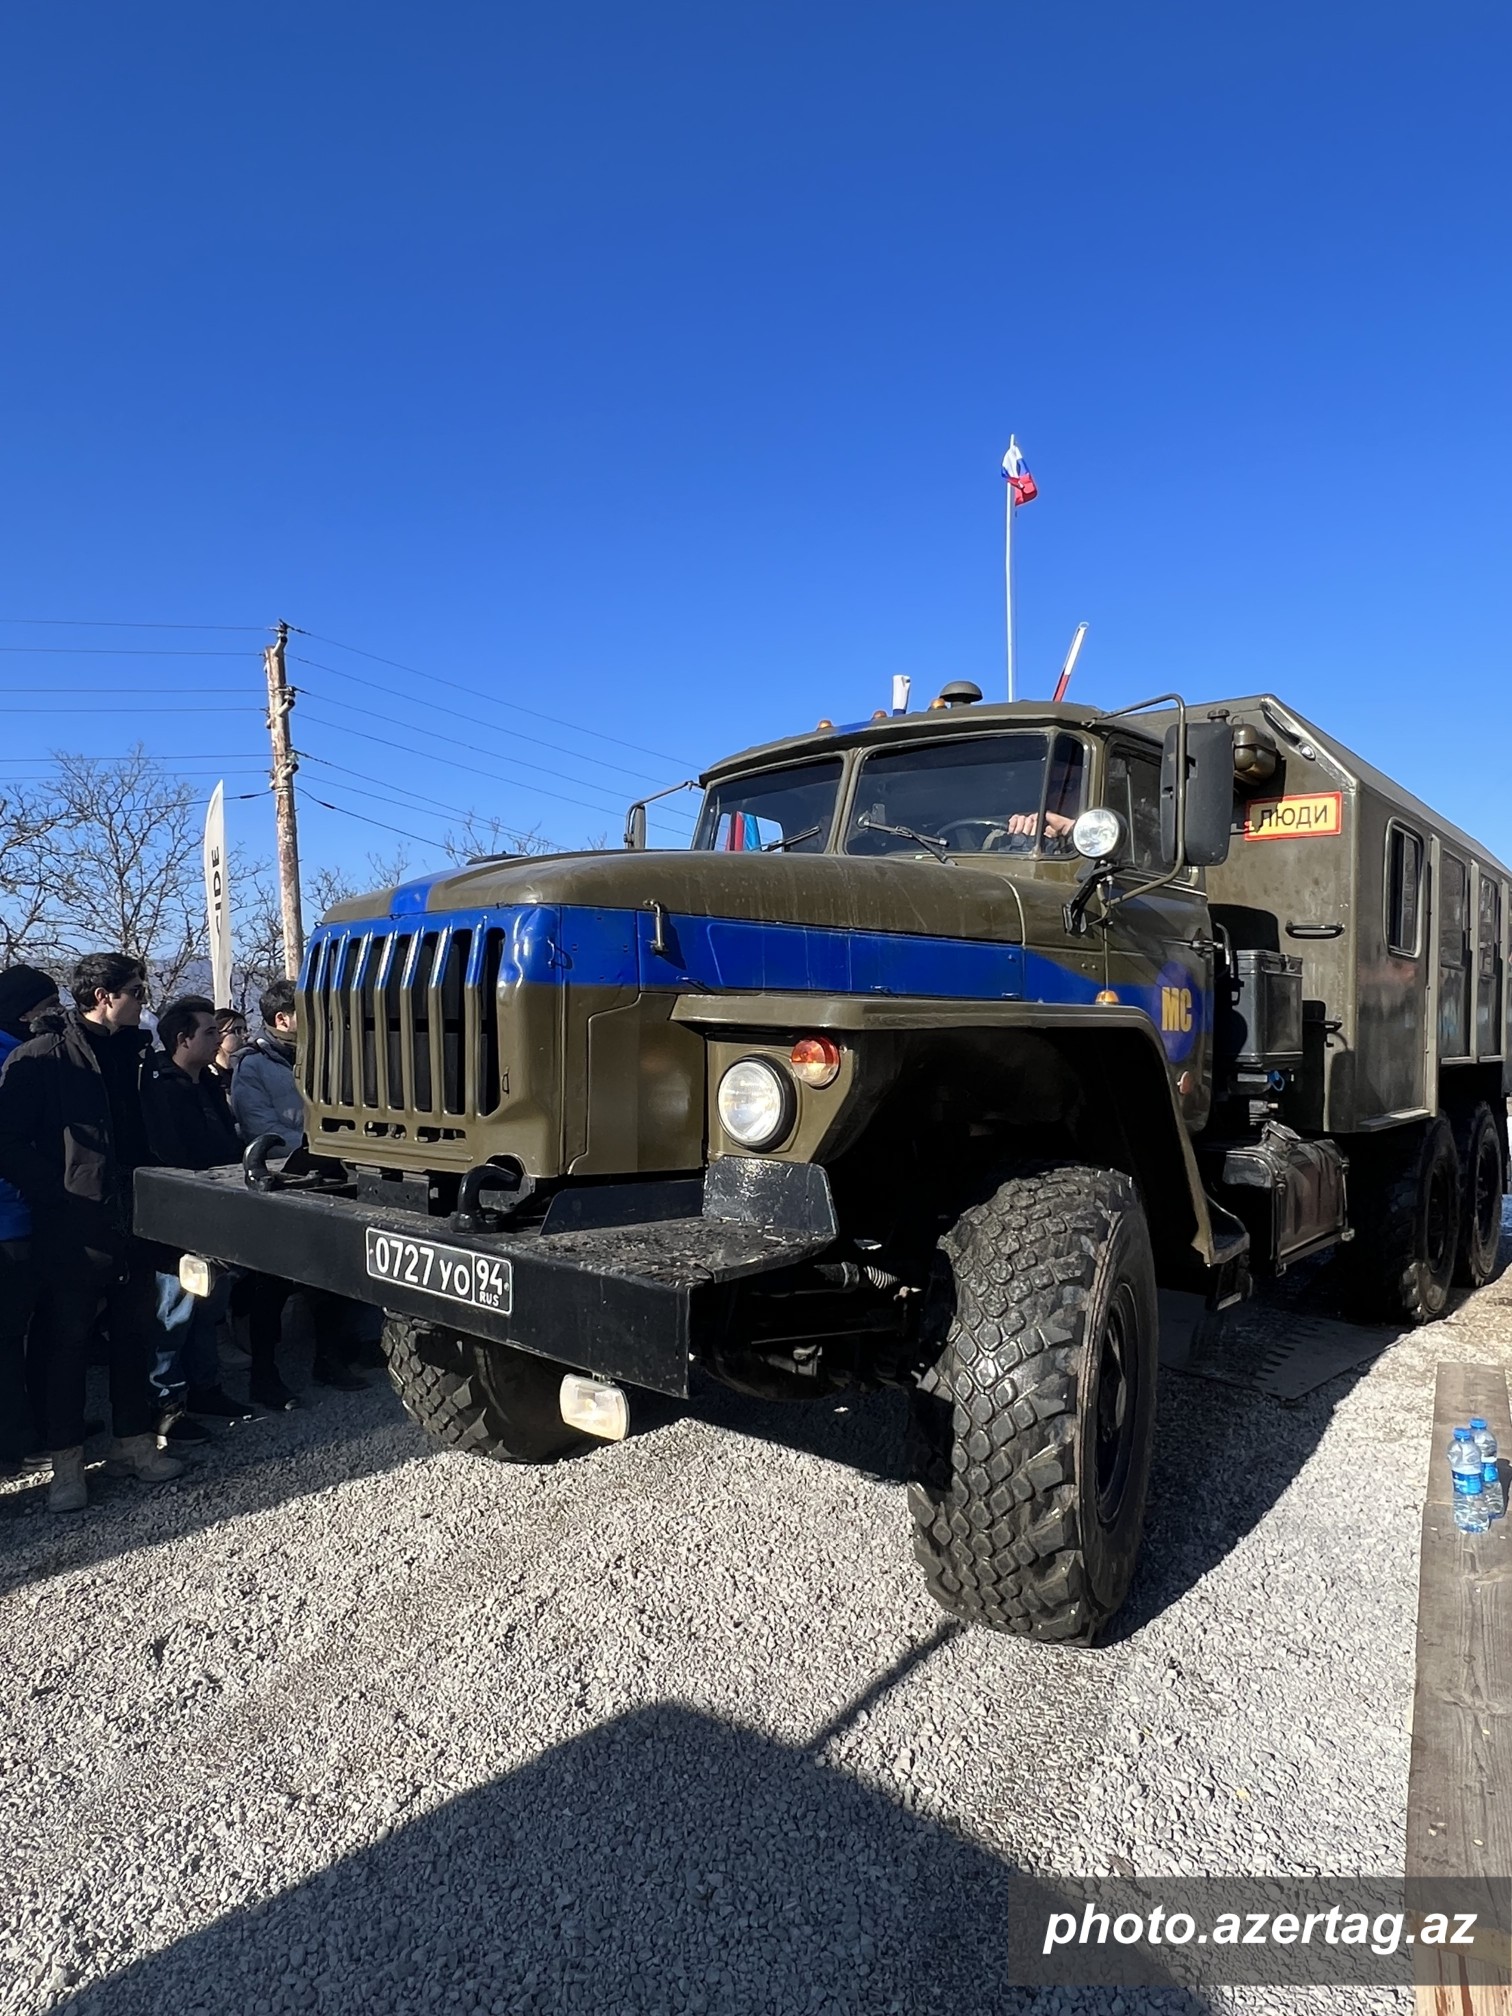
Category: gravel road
[340,1724]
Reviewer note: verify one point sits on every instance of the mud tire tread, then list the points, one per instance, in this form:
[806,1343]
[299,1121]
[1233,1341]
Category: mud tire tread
[994,1437]
[1478,1258]
[1390,1280]
[450,1386]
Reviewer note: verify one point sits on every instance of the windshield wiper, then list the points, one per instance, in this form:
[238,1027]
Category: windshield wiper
[936,846]
[792,839]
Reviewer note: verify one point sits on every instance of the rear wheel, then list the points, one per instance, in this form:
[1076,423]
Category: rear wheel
[1483,1181]
[1033,1425]
[489,1399]
[1405,1205]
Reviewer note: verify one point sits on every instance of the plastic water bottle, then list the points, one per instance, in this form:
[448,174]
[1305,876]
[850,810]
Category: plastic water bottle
[1469,1483]
[1491,1484]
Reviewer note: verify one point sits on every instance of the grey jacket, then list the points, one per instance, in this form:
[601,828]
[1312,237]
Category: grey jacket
[265,1094]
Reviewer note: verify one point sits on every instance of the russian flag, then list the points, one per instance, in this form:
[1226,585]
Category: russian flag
[1016,475]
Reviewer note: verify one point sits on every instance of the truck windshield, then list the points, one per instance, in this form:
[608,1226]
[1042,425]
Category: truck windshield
[979,794]
[781,811]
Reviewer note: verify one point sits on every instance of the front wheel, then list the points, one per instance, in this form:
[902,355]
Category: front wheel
[1033,1424]
[490,1399]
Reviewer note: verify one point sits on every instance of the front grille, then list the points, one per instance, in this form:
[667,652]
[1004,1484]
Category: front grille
[400,1021]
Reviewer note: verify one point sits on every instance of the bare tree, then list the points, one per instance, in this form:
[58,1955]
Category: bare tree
[105,855]
[386,870]
[28,878]
[256,931]
[329,886]
[126,864]
[258,924]
[479,837]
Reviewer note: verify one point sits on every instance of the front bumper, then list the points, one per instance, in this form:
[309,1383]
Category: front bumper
[623,1299]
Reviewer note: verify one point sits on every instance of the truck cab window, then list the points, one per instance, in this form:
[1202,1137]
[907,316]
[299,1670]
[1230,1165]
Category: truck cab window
[1064,788]
[776,810]
[1404,881]
[979,794]
[1132,789]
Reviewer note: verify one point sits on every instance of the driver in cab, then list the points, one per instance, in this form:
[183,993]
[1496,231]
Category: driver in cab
[1057,826]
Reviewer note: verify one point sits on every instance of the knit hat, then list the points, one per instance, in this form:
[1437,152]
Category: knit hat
[23,989]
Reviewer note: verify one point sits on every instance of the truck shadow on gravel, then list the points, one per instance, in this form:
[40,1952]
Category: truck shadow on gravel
[665,1862]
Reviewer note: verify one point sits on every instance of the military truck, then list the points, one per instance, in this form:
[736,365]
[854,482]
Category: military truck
[953,1038]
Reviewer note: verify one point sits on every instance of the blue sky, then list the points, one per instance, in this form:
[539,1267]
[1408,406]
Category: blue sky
[650,369]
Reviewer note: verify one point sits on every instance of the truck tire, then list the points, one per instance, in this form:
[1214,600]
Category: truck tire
[1033,1423]
[1483,1182]
[489,1399]
[1405,1205]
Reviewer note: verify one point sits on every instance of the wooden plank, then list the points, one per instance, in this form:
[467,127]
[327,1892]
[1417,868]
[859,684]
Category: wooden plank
[1459,1791]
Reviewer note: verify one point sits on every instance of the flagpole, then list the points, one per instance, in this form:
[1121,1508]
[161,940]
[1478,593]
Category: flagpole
[1008,570]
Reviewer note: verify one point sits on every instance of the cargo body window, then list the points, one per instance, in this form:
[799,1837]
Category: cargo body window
[1132,790]
[1488,970]
[1454,956]
[1404,892]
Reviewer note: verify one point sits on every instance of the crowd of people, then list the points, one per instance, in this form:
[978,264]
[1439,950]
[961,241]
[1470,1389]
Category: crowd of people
[86,1099]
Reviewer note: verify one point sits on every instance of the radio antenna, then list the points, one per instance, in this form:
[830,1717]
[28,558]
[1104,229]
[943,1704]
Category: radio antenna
[1070,665]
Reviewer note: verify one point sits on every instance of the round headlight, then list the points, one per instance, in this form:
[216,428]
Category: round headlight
[756,1102]
[1098,834]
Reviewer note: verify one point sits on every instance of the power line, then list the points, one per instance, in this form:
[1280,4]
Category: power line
[477,749]
[435,707]
[130,756]
[178,771]
[387,742]
[116,651]
[639,747]
[73,691]
[483,749]
[421,802]
[357,791]
[497,826]
[95,623]
[345,812]
[189,707]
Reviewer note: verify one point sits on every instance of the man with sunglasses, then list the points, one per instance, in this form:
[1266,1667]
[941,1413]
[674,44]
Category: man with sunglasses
[72,1136]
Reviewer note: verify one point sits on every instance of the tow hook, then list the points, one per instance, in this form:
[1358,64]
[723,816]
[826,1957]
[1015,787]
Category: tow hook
[473,1216]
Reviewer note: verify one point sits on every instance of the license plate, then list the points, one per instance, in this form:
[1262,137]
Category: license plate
[481,1280]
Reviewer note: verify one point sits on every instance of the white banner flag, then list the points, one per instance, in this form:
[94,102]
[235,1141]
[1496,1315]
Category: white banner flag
[218,898]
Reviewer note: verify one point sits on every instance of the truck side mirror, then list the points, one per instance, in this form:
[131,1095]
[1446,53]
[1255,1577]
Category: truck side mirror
[1209,793]
[635,829]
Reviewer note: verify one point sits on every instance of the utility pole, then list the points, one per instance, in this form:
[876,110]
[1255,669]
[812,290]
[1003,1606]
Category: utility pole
[280,706]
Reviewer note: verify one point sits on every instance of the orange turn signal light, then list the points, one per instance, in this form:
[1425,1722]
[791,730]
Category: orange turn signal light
[815,1060]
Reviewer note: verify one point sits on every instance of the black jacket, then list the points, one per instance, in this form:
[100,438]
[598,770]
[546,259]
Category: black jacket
[189,1124]
[67,1144]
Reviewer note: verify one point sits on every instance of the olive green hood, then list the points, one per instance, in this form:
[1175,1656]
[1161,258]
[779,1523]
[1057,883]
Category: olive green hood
[828,891]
